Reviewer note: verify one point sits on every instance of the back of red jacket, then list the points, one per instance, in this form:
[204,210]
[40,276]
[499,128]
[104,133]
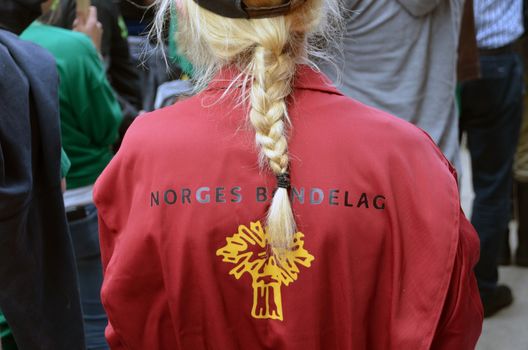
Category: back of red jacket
[382,258]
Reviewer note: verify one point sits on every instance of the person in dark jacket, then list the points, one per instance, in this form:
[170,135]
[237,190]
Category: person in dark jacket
[38,284]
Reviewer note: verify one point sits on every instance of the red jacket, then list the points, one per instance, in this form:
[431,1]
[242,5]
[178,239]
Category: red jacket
[383,257]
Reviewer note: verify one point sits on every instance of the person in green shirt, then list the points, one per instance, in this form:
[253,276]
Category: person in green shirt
[90,114]
[90,118]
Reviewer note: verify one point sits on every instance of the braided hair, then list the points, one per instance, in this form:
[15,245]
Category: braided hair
[266,51]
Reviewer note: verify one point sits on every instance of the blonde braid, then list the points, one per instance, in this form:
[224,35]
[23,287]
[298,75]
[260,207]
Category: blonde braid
[267,52]
[272,72]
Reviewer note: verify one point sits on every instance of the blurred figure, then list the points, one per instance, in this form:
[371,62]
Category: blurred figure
[138,15]
[521,200]
[491,109]
[400,56]
[150,57]
[520,168]
[38,283]
[90,117]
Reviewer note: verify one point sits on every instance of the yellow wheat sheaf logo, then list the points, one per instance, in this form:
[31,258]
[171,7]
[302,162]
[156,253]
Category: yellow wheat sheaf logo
[248,250]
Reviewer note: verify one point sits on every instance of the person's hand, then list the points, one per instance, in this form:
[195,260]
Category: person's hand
[90,26]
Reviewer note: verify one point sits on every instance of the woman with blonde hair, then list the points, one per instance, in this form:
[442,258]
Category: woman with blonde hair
[271,212]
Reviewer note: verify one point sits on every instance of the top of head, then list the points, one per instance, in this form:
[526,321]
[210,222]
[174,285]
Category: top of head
[241,8]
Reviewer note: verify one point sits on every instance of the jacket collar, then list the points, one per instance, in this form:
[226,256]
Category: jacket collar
[306,78]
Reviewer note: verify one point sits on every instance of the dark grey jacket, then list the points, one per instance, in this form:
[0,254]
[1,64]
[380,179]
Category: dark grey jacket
[38,284]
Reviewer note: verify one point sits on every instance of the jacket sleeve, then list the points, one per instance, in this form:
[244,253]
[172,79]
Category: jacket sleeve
[419,8]
[107,248]
[460,324]
[133,292]
[15,142]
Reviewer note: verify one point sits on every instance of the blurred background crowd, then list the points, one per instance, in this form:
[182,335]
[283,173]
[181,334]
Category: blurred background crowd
[452,67]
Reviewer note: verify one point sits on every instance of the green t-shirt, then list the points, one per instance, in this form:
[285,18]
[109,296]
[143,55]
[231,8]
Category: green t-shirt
[90,113]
